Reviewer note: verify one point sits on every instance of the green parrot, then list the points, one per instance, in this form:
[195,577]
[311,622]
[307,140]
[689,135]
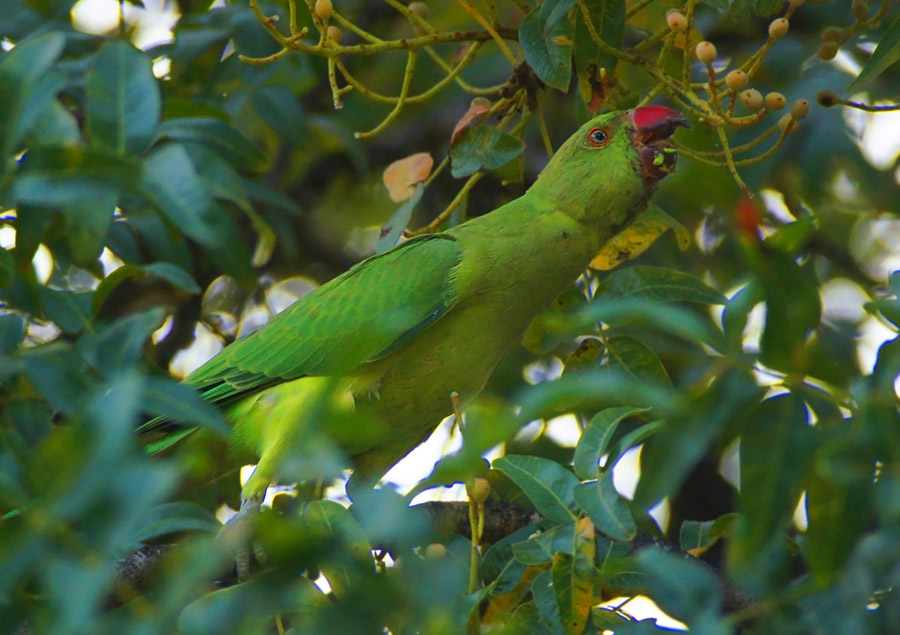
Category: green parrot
[401,331]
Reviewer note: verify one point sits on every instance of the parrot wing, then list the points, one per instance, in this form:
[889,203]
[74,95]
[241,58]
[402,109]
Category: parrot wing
[376,306]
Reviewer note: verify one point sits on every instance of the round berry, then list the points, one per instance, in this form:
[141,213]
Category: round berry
[435,551]
[420,9]
[775,101]
[479,490]
[799,109]
[827,98]
[706,52]
[778,28]
[676,21]
[831,34]
[737,79]
[860,10]
[334,34]
[828,51]
[323,9]
[785,121]
[752,99]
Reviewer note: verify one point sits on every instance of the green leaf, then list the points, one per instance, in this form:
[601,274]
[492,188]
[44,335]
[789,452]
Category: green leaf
[659,285]
[573,578]
[676,320]
[178,277]
[70,311]
[220,137]
[123,100]
[596,437]
[12,332]
[482,148]
[7,268]
[547,48]
[767,8]
[721,5]
[695,537]
[634,358]
[169,181]
[608,20]
[175,518]
[120,346]
[88,224]
[20,69]
[684,588]
[885,54]
[398,221]
[545,600]
[335,522]
[606,508]
[548,485]
[541,548]
[632,439]
[175,276]
[170,399]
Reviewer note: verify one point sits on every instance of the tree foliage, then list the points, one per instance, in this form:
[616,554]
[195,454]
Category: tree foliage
[155,199]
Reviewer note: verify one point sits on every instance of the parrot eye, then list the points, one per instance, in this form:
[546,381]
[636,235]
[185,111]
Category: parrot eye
[597,137]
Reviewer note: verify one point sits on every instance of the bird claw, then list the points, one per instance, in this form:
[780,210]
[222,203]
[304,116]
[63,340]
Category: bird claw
[236,536]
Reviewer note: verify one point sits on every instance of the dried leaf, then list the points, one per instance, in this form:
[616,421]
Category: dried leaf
[402,176]
[477,111]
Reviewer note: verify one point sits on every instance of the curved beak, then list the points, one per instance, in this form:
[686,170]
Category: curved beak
[651,127]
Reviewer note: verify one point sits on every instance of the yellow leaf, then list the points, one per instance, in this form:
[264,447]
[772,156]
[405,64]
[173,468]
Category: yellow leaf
[633,241]
[402,176]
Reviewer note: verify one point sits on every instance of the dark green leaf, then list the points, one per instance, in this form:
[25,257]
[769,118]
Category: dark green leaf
[541,548]
[606,508]
[548,485]
[695,537]
[70,311]
[545,600]
[7,268]
[676,320]
[120,346]
[123,100]
[659,285]
[170,399]
[88,223]
[175,518]
[12,331]
[395,226]
[175,275]
[596,437]
[632,439]
[548,48]
[608,20]
[482,148]
[684,588]
[220,137]
[885,54]
[634,358]
[168,180]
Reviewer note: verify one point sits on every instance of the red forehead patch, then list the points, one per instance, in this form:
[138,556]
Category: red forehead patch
[651,117]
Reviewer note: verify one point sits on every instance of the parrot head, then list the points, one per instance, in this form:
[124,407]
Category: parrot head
[608,169]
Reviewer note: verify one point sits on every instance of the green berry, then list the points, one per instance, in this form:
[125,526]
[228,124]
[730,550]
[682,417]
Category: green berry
[323,9]
[706,52]
[435,551]
[831,34]
[420,9]
[752,99]
[799,109]
[775,101]
[334,34]
[737,79]
[778,28]
[828,51]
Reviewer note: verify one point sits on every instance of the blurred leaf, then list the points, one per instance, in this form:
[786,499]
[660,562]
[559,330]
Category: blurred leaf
[684,588]
[88,222]
[398,221]
[12,331]
[676,320]
[885,55]
[634,358]
[403,176]
[548,46]
[632,439]
[548,485]
[168,180]
[596,437]
[20,69]
[7,268]
[119,347]
[123,100]
[70,311]
[337,522]
[608,20]
[657,284]
[606,508]
[220,137]
[170,399]
[634,240]
[541,548]
[545,600]
[174,518]
[573,577]
[695,537]
[544,333]
[482,148]
[175,276]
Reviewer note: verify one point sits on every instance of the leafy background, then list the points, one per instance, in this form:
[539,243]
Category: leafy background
[168,198]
